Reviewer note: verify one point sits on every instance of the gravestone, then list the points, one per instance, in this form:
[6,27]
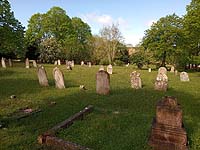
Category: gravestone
[162,70]
[82,63]
[161,82]
[55,62]
[109,69]
[167,132]
[34,64]
[184,76]
[102,82]
[59,62]
[72,63]
[136,82]
[89,64]
[149,69]
[27,63]
[59,78]
[101,67]
[172,69]
[127,65]
[42,76]
[69,65]
[176,72]
[10,62]
[3,63]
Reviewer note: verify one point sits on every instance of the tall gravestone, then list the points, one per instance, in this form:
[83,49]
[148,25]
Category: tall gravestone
[34,64]
[162,70]
[167,132]
[42,76]
[109,69]
[184,76]
[59,78]
[3,63]
[102,82]
[27,63]
[161,83]
[136,81]
[10,62]
[59,62]
[72,64]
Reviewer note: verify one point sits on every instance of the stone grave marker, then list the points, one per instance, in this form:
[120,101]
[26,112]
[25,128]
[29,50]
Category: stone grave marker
[34,64]
[3,63]
[149,70]
[136,81]
[161,82]
[89,64]
[82,63]
[55,62]
[59,78]
[162,70]
[109,69]
[101,67]
[69,65]
[176,72]
[167,132]
[27,63]
[10,62]
[102,82]
[59,62]
[172,69]
[72,63]
[42,76]
[184,76]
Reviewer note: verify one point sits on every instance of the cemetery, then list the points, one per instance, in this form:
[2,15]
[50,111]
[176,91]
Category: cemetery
[132,85]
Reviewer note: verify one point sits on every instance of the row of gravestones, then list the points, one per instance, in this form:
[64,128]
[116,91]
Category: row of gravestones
[161,83]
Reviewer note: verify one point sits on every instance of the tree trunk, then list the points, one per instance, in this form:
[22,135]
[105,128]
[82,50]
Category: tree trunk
[163,59]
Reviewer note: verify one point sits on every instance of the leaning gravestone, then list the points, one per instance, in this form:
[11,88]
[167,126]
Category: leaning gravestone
[27,63]
[161,82]
[136,82]
[34,64]
[42,76]
[102,82]
[3,63]
[162,70]
[10,62]
[109,69]
[167,132]
[184,76]
[172,69]
[59,78]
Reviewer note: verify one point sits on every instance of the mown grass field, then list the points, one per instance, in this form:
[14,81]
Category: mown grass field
[120,121]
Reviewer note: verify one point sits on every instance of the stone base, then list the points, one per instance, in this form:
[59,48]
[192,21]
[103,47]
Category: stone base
[164,137]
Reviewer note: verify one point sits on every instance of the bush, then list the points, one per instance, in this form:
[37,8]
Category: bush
[104,62]
[119,62]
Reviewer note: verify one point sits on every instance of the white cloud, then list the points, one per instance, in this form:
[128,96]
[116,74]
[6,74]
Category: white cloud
[150,23]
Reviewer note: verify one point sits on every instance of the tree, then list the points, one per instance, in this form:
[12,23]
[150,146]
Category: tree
[50,50]
[165,38]
[192,28]
[112,37]
[11,32]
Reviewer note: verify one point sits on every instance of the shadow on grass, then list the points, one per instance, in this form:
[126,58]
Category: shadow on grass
[127,130]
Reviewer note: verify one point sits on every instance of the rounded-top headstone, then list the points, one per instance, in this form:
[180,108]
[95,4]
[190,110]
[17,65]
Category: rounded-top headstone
[59,78]
[136,82]
[109,69]
[102,82]
[162,70]
[42,76]
[184,76]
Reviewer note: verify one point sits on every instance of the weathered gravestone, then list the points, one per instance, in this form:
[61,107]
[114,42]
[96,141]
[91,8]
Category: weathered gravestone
[109,69]
[162,70]
[3,63]
[68,65]
[27,63]
[42,76]
[72,63]
[172,69]
[102,82]
[10,62]
[82,63]
[89,64]
[161,82]
[176,72]
[59,78]
[149,69]
[167,132]
[101,67]
[184,76]
[136,82]
[59,62]
[55,62]
[34,64]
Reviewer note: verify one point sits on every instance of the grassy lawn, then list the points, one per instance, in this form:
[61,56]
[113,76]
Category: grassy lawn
[120,121]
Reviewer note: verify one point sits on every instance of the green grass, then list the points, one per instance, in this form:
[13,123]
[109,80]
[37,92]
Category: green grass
[120,121]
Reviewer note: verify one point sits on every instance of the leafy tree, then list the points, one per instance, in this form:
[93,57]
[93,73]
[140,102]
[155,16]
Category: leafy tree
[165,38]
[192,28]
[122,53]
[50,50]
[112,37]
[11,32]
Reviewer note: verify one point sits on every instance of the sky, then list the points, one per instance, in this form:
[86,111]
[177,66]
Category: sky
[132,16]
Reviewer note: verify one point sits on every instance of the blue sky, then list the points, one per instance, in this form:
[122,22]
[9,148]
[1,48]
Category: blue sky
[133,16]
